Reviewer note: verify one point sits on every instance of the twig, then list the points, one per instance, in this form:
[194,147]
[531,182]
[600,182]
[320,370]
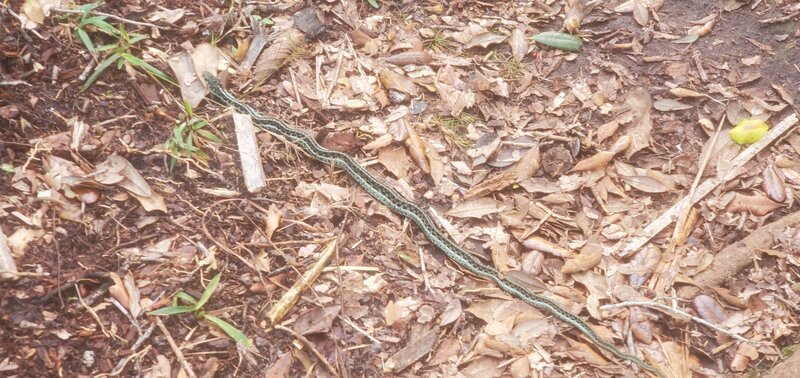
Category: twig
[118,18]
[92,312]
[680,313]
[704,189]
[175,348]
[293,294]
[424,272]
[311,347]
[684,211]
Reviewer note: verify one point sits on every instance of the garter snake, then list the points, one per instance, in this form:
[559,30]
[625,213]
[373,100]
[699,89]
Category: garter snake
[397,203]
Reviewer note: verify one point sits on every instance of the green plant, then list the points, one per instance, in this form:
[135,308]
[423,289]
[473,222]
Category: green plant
[118,52]
[189,136]
[374,3]
[438,42]
[196,307]
[455,128]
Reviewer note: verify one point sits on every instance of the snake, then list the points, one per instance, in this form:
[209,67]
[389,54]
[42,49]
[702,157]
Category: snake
[392,199]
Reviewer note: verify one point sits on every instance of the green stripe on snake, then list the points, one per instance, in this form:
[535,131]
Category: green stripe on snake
[397,203]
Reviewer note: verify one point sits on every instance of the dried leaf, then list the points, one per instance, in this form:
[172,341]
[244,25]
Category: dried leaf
[709,309]
[646,184]
[685,93]
[669,105]
[485,40]
[273,220]
[476,208]
[773,185]
[395,160]
[282,368]
[409,57]
[756,205]
[523,169]
[744,354]
[395,81]
[519,45]
[543,245]
[581,262]
[451,313]
[274,57]
[317,320]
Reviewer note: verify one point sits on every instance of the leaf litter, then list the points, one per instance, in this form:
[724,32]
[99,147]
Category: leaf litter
[528,130]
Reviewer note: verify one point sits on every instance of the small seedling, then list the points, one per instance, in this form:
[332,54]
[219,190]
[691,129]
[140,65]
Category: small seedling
[118,52]
[455,128]
[189,136]
[195,306]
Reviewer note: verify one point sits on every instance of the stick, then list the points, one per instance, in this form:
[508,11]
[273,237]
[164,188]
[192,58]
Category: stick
[288,300]
[175,349]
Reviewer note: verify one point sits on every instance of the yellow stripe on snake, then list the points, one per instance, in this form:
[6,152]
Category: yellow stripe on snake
[397,203]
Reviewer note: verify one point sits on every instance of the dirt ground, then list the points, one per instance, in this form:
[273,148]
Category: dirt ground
[106,221]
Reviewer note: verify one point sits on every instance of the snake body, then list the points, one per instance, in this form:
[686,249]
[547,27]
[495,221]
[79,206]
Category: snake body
[397,203]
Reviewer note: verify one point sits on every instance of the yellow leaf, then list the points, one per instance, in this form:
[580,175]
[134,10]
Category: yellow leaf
[748,131]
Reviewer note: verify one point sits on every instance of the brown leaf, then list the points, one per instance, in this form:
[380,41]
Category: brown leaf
[669,105]
[476,208]
[683,92]
[596,161]
[581,262]
[522,170]
[645,184]
[415,350]
[318,320]
[606,130]
[773,185]
[709,309]
[744,354]
[640,325]
[543,245]
[395,81]
[282,368]
[274,56]
[118,290]
[395,160]
[641,12]
[519,45]
[273,220]
[637,110]
[756,205]
[485,40]
[409,57]
[451,313]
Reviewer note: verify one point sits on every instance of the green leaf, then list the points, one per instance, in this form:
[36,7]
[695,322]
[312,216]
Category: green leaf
[138,62]
[561,41]
[230,330]
[172,310]
[212,285]
[181,295]
[105,47]
[84,37]
[748,131]
[86,8]
[374,3]
[209,135]
[99,70]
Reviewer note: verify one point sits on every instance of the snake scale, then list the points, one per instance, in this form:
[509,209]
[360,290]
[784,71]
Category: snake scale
[397,203]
